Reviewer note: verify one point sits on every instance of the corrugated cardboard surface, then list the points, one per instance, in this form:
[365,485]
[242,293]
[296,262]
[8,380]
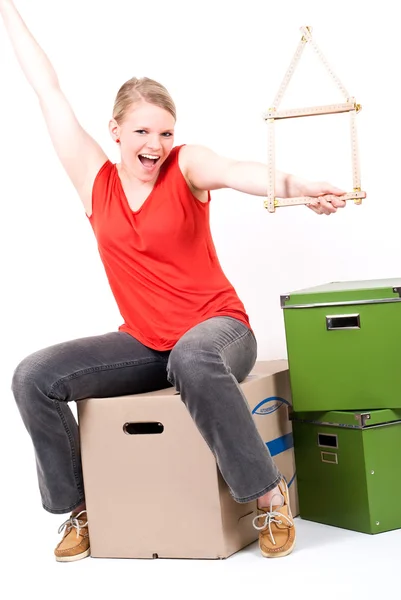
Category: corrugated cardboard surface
[162,494]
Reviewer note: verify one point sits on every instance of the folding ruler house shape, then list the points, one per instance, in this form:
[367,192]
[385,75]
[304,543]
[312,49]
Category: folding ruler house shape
[274,114]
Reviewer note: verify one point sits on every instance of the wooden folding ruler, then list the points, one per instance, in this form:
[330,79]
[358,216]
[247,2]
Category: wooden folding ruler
[350,105]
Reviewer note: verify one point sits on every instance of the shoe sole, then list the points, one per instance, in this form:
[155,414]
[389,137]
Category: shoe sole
[72,558]
[278,554]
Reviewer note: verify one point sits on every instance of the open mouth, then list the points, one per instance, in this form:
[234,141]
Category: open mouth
[148,160]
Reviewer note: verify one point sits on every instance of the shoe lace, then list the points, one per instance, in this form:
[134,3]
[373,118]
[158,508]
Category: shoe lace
[73,523]
[272,516]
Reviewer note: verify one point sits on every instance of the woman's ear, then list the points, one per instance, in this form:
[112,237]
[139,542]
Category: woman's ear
[114,129]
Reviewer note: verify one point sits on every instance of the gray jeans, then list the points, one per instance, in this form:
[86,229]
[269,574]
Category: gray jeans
[205,366]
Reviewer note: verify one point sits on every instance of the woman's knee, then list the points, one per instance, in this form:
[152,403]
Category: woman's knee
[191,363]
[31,373]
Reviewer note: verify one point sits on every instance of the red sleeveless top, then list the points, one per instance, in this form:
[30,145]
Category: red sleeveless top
[160,260]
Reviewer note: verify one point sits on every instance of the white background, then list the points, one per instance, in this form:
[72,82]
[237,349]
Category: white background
[223,62]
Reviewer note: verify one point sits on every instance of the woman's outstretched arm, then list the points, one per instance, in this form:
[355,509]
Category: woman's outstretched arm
[79,154]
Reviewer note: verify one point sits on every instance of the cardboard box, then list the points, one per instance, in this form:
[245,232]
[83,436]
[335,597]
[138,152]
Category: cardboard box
[151,482]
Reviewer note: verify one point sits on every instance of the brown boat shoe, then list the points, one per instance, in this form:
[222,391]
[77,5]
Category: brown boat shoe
[75,542]
[276,526]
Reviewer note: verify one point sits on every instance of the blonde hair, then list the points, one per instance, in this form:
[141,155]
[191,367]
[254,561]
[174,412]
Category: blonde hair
[134,90]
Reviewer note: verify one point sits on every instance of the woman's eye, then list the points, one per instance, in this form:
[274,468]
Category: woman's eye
[140,131]
[167,134]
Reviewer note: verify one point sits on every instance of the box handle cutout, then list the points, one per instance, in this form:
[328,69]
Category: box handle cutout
[143,428]
[329,457]
[335,322]
[327,440]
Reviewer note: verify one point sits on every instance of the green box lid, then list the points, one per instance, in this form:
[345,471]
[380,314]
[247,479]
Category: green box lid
[349,418]
[344,291]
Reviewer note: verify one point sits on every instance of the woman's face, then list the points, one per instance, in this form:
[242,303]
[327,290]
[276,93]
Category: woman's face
[146,137]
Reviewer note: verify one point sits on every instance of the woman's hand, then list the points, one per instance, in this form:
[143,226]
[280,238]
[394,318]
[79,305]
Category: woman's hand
[327,200]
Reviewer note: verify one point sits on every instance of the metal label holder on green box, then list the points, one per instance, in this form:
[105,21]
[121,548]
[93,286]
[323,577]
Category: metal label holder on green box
[349,468]
[344,345]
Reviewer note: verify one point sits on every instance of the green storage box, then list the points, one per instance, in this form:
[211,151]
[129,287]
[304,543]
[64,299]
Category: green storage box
[349,468]
[344,345]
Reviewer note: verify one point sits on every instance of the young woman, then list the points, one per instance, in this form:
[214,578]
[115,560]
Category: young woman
[184,324]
